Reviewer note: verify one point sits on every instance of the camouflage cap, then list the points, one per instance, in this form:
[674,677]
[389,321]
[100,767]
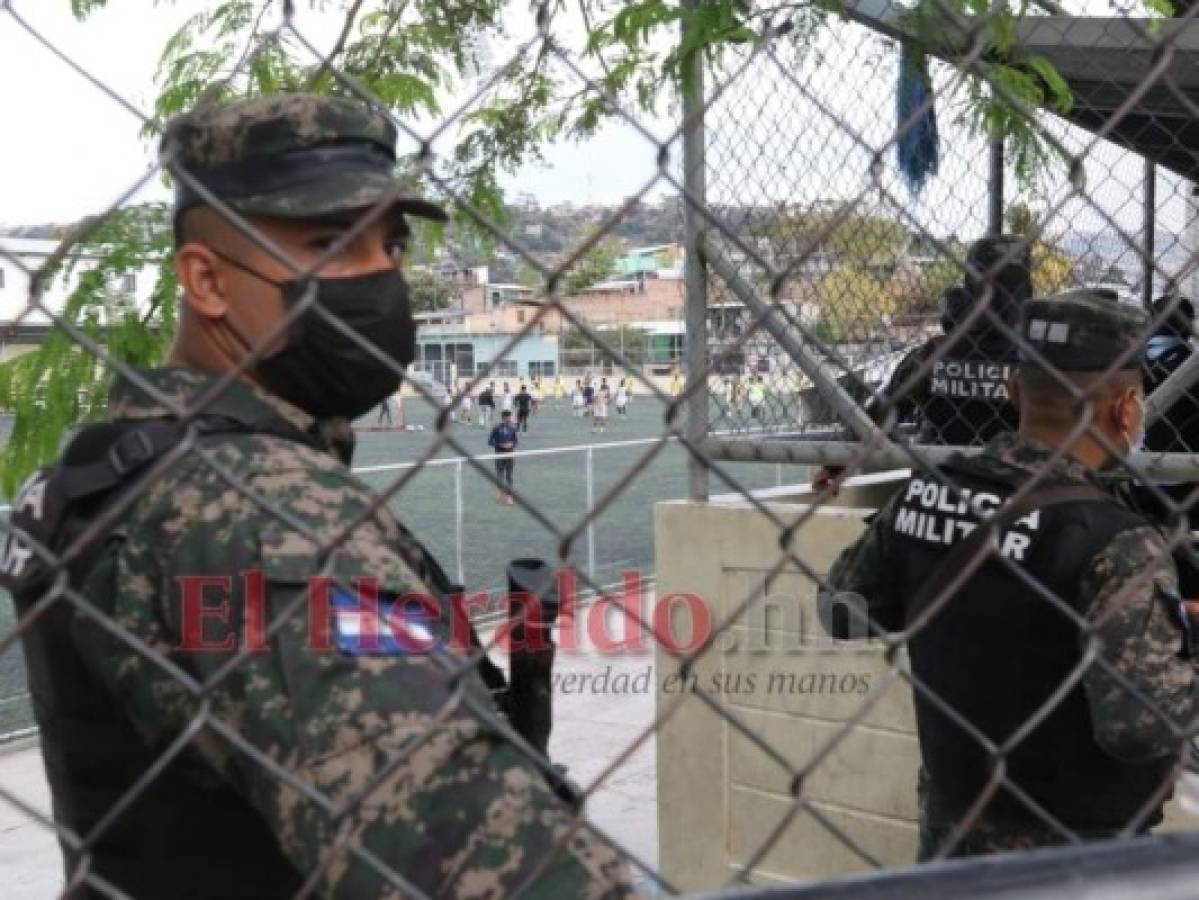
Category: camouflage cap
[999,250]
[999,268]
[296,156]
[1083,331]
[955,307]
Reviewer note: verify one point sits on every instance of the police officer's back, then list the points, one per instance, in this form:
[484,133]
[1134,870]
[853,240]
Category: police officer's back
[234,699]
[954,386]
[1072,562]
[907,389]
[962,397]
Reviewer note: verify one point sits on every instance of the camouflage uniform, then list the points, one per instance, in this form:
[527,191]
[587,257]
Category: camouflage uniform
[462,814]
[403,750]
[1129,598]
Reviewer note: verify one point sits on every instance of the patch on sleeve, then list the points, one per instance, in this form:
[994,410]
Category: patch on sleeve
[382,627]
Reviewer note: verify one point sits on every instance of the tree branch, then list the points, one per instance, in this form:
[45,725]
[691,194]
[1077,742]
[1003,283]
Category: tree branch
[598,54]
[340,45]
[250,41]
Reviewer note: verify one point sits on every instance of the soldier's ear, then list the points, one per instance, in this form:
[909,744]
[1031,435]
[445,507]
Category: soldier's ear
[202,279]
[1130,409]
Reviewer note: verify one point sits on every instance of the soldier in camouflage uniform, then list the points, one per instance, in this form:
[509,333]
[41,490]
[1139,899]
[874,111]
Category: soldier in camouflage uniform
[1076,586]
[366,770]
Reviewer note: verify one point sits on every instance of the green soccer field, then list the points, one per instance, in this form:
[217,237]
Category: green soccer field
[554,485]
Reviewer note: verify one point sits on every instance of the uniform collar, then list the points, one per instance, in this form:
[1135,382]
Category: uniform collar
[1033,456]
[181,388]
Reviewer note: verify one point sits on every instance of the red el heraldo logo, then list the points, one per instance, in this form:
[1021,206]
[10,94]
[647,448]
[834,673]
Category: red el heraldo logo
[219,615]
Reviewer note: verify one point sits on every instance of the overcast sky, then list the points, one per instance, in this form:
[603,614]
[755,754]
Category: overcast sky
[67,150]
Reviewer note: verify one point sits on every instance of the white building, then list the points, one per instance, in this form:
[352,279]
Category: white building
[21,257]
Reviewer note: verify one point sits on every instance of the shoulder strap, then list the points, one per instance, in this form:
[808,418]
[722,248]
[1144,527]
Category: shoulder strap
[98,461]
[103,456]
[959,557]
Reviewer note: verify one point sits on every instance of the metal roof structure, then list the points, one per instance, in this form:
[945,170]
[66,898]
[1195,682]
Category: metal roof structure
[1132,85]
[1135,81]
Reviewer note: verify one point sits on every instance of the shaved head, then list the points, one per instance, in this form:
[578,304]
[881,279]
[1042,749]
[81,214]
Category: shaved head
[1053,404]
[1060,397]
[204,225]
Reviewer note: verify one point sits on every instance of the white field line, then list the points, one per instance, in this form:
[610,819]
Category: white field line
[547,451]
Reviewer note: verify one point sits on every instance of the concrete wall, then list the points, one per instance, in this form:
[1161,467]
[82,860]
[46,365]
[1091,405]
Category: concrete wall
[721,796]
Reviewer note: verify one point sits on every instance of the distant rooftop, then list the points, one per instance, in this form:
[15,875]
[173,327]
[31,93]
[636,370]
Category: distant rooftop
[28,246]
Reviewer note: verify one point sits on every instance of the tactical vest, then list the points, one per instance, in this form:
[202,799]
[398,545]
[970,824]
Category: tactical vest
[997,649]
[967,402]
[186,833]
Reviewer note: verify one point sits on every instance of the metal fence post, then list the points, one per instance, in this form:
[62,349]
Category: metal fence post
[589,465]
[995,188]
[695,280]
[1148,225]
[459,527]
[1190,238]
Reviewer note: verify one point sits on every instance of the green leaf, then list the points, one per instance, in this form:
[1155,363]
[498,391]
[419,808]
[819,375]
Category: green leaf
[81,9]
[1061,97]
[61,383]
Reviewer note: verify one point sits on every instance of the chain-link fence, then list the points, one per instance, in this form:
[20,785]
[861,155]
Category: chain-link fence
[874,271]
[226,627]
[878,302]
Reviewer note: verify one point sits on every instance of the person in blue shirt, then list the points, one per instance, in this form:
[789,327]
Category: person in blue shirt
[503,440]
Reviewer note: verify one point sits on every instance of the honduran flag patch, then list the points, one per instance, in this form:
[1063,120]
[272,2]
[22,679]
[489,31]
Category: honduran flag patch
[383,628]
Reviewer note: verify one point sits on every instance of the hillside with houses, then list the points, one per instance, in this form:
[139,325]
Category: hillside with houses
[853,277]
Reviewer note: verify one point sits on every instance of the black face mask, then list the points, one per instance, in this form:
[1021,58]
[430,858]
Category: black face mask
[325,372]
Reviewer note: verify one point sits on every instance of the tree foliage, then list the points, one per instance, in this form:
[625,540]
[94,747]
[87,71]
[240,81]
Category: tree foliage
[1052,269]
[428,292]
[923,293]
[594,267]
[861,240]
[854,303]
[1005,84]
[62,381]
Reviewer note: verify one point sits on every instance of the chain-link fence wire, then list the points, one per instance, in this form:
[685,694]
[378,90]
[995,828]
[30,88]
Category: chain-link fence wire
[747,264]
[882,279]
[795,259]
[458,702]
